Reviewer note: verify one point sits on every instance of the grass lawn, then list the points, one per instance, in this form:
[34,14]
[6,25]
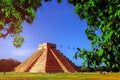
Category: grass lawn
[59,76]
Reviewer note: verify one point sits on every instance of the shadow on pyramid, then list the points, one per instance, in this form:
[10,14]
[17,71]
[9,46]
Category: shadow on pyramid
[47,59]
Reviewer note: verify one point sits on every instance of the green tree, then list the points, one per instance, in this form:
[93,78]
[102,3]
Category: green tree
[103,20]
[90,59]
[13,13]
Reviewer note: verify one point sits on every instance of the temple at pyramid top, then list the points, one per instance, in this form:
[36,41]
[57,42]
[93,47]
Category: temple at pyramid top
[46,45]
[47,59]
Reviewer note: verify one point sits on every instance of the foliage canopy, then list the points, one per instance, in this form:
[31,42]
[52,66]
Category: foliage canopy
[103,20]
[13,13]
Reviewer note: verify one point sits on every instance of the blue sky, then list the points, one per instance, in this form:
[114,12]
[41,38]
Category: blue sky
[55,23]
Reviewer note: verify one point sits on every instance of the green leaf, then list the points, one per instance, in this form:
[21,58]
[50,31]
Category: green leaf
[113,66]
[7,12]
[3,10]
[108,63]
[85,62]
[94,62]
[2,23]
[108,57]
[100,52]
[107,36]
[103,59]
[92,3]
[117,13]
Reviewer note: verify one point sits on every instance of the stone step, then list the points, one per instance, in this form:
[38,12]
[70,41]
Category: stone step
[65,61]
[39,65]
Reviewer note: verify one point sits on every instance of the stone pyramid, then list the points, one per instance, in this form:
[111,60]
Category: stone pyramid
[47,59]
